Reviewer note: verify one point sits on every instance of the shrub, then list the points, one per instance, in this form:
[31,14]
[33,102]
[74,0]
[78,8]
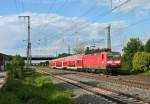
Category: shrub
[133,46]
[15,67]
[35,89]
[38,81]
[141,62]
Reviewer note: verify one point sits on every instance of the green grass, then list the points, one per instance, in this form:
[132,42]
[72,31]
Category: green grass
[147,73]
[124,71]
[36,89]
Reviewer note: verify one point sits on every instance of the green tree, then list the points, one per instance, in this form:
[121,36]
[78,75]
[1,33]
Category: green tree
[141,62]
[15,67]
[147,46]
[64,55]
[133,46]
[79,51]
[87,51]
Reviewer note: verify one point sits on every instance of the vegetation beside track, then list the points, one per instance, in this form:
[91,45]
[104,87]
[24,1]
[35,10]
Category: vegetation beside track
[34,89]
[24,86]
[135,53]
[141,62]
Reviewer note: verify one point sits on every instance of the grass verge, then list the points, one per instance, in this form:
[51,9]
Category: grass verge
[34,89]
[147,73]
[124,71]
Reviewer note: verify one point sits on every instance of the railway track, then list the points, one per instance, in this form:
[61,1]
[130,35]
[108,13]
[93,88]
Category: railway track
[130,83]
[110,95]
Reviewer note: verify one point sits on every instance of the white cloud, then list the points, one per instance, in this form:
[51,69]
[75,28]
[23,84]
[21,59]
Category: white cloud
[48,28]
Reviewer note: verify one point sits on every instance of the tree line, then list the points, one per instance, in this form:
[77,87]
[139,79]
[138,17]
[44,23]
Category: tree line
[136,56]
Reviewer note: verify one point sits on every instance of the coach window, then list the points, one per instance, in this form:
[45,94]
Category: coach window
[78,61]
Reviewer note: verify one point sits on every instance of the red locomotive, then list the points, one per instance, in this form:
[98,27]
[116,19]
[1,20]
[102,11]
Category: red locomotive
[105,61]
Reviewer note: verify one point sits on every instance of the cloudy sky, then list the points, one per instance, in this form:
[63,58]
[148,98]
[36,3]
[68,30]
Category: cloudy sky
[57,24]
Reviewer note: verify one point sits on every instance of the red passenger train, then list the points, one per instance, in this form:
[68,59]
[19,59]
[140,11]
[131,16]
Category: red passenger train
[106,61]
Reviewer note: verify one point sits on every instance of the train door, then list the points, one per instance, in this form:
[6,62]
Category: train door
[79,63]
[103,60]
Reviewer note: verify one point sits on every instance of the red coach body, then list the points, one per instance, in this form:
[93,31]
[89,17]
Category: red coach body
[108,61]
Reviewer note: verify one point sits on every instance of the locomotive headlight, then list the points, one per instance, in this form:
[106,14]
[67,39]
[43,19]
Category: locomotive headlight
[117,62]
[109,62]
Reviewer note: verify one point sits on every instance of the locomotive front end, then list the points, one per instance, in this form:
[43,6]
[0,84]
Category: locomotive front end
[114,61]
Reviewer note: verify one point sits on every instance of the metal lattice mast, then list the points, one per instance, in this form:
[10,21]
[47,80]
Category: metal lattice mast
[109,37]
[29,41]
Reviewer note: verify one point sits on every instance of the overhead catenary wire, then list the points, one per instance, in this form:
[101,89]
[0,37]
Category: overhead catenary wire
[113,9]
[134,24]
[85,13]
[21,3]
[106,13]
[101,16]
[16,4]
[125,39]
[62,6]
[51,7]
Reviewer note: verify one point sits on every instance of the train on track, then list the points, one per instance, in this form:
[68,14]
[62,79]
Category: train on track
[105,61]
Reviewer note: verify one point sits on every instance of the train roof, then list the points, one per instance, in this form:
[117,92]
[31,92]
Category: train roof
[81,55]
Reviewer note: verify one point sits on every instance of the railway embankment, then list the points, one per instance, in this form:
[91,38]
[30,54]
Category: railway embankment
[136,89]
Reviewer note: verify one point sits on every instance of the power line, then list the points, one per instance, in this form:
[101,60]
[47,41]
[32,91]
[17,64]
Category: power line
[89,10]
[21,4]
[102,16]
[72,21]
[62,6]
[16,4]
[135,23]
[51,7]
[113,9]
[139,22]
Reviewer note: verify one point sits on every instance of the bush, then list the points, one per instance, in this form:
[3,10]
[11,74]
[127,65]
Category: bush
[15,67]
[133,46]
[35,89]
[126,65]
[141,62]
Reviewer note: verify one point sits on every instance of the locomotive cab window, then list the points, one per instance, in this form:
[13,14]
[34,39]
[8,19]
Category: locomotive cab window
[65,63]
[114,56]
